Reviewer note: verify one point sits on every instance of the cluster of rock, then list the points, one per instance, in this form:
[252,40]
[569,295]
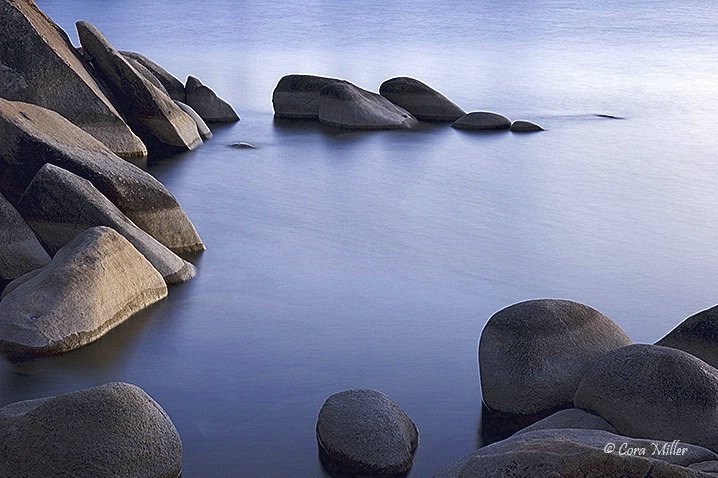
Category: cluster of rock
[625,410]
[115,429]
[401,103]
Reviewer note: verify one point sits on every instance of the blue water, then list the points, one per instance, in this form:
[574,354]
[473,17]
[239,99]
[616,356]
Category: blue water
[341,260]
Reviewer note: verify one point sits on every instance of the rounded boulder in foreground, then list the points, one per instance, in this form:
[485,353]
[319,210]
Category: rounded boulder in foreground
[533,354]
[115,429]
[523,126]
[482,121]
[655,392]
[364,433]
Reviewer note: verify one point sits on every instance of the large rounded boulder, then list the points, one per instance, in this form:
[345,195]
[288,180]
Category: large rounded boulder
[482,121]
[421,100]
[533,354]
[297,96]
[20,251]
[364,433]
[655,392]
[697,335]
[94,283]
[115,429]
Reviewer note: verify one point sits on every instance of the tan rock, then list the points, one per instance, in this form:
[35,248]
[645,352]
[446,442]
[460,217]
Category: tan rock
[20,251]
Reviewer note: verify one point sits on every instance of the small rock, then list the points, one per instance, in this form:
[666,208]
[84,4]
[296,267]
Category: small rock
[419,99]
[207,104]
[242,145]
[523,126]
[482,121]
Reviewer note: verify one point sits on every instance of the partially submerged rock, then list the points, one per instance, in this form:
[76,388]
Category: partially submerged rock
[421,100]
[364,433]
[59,206]
[207,104]
[39,65]
[202,128]
[297,96]
[482,121]
[697,335]
[93,284]
[174,87]
[346,106]
[20,251]
[151,113]
[115,429]
[533,354]
[32,136]
[523,126]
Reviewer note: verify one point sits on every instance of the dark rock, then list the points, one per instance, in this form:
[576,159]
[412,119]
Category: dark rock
[655,392]
[172,85]
[161,124]
[533,354]
[94,283]
[523,126]
[202,128]
[573,418]
[697,335]
[364,433]
[419,99]
[482,121]
[242,145]
[33,136]
[207,104]
[297,96]
[40,66]
[20,251]
[59,206]
[115,429]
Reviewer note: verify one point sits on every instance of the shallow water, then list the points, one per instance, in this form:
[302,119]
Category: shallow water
[341,260]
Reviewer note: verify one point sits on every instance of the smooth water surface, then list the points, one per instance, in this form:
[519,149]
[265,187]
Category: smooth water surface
[341,260]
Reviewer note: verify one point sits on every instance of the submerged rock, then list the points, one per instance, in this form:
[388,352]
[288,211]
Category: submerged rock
[20,251]
[482,121]
[697,335]
[364,433]
[115,429]
[202,128]
[419,99]
[297,96]
[533,354]
[523,126]
[207,104]
[172,85]
[94,283]
[39,65]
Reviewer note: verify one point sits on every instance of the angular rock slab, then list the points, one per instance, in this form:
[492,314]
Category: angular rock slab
[346,106]
[20,251]
[533,354]
[59,206]
[115,429]
[297,96]
[655,392]
[697,335]
[93,284]
[202,128]
[207,104]
[48,72]
[364,433]
[172,85]
[523,126]
[150,112]
[33,136]
[572,418]
[573,453]
[482,121]
[421,100]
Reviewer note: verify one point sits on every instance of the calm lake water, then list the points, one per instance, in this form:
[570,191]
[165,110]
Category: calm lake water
[340,260]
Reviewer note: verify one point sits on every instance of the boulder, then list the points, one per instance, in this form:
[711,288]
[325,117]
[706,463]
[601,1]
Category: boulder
[346,106]
[94,283]
[556,453]
[697,335]
[207,104]
[649,391]
[147,74]
[570,418]
[59,205]
[364,433]
[533,354]
[482,121]
[202,128]
[114,429]
[172,85]
[297,96]
[33,136]
[421,100]
[161,124]
[523,126]
[41,66]
[20,251]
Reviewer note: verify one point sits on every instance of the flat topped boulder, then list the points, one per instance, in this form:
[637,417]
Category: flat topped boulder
[346,106]
[364,433]
[150,112]
[533,354]
[654,392]
[482,121]
[20,251]
[115,429]
[697,335]
[94,283]
[172,85]
[421,100]
[207,104]
[39,65]
[59,205]
[33,136]
[297,96]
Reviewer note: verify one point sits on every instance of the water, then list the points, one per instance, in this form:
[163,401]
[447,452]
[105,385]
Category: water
[342,260]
